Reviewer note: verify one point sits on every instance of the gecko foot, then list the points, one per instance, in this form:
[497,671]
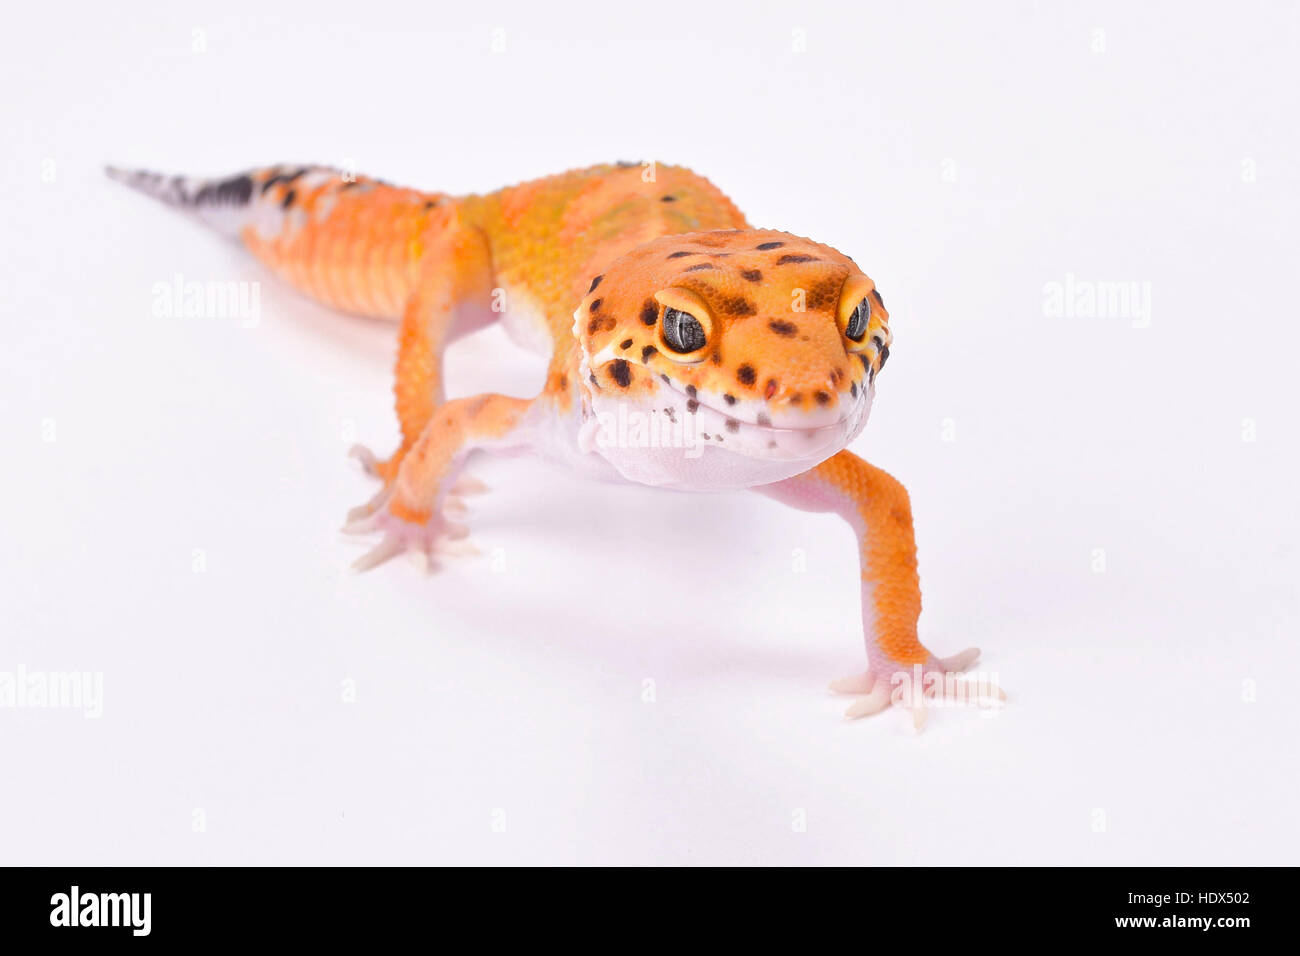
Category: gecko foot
[464,486]
[430,539]
[935,681]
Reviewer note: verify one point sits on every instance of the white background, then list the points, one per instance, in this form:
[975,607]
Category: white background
[966,159]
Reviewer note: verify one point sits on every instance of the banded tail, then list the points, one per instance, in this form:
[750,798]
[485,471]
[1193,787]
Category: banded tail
[353,243]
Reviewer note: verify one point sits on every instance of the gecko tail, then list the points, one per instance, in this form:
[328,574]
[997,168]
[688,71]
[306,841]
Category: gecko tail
[227,204]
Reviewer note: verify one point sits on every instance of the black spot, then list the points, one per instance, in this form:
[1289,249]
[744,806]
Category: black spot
[620,372]
[699,268]
[791,257]
[823,398]
[595,304]
[704,435]
[853,389]
[729,398]
[884,355]
[763,420]
[690,391]
[784,328]
[647,351]
[592,379]
[876,293]
[668,199]
[751,275]
[716,357]
[650,312]
[667,381]
[594,282]
[429,204]
[862,357]
[824,292]
[764,246]
[626,164]
[733,425]
[746,375]
[737,305]
[289,197]
[283,178]
[692,406]
[626,344]
[683,254]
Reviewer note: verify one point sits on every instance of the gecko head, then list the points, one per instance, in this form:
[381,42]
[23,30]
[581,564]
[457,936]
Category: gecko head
[728,359]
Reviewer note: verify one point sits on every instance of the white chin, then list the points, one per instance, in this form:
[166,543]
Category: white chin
[699,452]
[705,468]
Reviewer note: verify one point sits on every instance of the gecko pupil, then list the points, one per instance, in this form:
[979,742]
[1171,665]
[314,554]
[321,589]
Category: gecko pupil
[857,325]
[682,331]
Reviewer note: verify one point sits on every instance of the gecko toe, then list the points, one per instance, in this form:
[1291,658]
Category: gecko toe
[873,703]
[390,547]
[960,661]
[857,684]
[467,485]
[364,518]
[369,461]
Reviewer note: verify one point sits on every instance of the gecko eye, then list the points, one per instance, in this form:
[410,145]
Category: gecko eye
[682,331]
[685,325]
[859,313]
[856,327]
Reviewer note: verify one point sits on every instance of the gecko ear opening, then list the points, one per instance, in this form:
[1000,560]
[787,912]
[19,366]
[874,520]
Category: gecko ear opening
[685,326]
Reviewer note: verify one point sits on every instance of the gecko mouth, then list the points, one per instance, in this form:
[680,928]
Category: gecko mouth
[756,434]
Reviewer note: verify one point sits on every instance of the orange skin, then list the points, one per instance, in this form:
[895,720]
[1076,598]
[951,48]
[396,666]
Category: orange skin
[620,244]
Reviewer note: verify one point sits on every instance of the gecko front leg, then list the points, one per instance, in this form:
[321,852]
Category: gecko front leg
[876,505]
[410,511]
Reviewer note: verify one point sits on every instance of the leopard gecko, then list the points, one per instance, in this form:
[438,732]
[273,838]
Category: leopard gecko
[686,350]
